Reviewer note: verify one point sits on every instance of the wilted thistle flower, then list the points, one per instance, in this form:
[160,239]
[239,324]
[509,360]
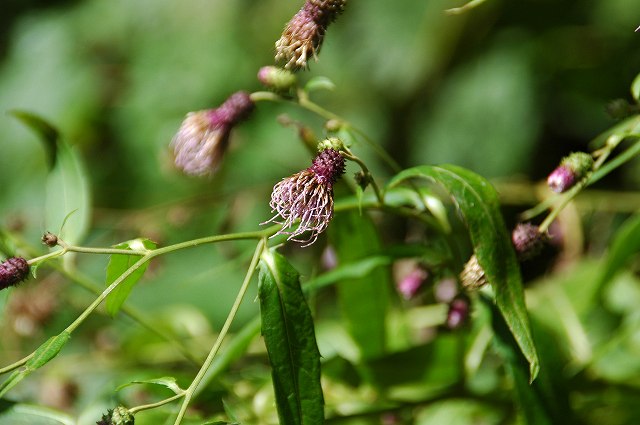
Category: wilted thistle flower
[307,196]
[527,240]
[473,276]
[203,136]
[571,170]
[13,271]
[303,35]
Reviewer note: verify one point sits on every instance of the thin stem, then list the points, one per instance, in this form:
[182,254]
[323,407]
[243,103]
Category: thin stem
[223,332]
[137,409]
[48,256]
[347,154]
[16,365]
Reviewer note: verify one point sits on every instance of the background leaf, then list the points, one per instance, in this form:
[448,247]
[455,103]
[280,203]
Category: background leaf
[479,204]
[120,263]
[364,300]
[287,327]
[47,132]
[166,381]
[625,244]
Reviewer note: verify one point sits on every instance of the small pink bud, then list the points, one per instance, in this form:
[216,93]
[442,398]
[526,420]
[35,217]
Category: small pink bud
[409,285]
[458,313]
[570,171]
[277,79]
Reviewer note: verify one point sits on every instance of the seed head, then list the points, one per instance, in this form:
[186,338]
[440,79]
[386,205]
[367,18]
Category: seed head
[13,271]
[571,170]
[203,136]
[527,240]
[307,196]
[303,35]
[473,276]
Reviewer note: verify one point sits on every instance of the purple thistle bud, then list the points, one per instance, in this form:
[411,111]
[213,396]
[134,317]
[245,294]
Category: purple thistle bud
[277,79]
[303,35]
[473,276]
[458,313]
[13,271]
[527,240]
[307,196]
[571,170]
[203,136]
[409,285]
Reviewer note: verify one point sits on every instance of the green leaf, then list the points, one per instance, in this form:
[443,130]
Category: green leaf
[41,356]
[480,206]
[22,414]
[635,88]
[67,192]
[47,133]
[364,300]
[287,328]
[120,263]
[166,381]
[625,244]
[48,350]
[319,83]
[355,270]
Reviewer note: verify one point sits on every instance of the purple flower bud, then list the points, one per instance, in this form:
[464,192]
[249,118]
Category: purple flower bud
[458,313]
[277,79]
[473,276]
[409,285]
[570,171]
[527,240]
[49,239]
[203,136]
[307,196]
[13,271]
[303,35]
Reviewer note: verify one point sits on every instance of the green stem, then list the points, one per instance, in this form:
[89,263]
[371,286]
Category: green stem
[16,365]
[223,332]
[137,409]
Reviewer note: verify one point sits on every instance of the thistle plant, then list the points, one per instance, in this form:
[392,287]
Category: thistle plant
[335,339]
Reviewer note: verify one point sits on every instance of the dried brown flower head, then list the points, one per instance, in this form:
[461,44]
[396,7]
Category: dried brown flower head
[302,37]
[203,136]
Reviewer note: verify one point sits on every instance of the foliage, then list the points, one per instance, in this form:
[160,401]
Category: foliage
[415,306]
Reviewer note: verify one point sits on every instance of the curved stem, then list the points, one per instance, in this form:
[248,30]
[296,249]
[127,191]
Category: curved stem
[347,154]
[223,332]
[16,365]
[137,409]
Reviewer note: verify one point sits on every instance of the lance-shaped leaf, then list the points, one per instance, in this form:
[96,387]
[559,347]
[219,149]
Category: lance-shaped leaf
[364,300]
[41,356]
[120,263]
[479,204]
[287,328]
[625,244]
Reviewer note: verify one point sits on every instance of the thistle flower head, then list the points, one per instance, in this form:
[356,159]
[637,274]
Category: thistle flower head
[302,37]
[13,271]
[527,240]
[203,136]
[473,276]
[570,171]
[307,196]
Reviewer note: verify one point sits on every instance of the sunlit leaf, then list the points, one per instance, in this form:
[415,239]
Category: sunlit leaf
[288,331]
[166,381]
[364,300]
[120,263]
[479,204]
[635,88]
[319,83]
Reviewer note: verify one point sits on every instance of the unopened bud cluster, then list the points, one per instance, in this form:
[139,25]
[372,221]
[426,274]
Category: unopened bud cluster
[203,136]
[13,271]
[302,37]
[571,170]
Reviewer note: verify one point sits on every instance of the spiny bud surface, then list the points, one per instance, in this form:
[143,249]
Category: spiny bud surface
[13,271]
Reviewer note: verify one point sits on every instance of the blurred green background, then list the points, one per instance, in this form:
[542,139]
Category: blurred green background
[506,89]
